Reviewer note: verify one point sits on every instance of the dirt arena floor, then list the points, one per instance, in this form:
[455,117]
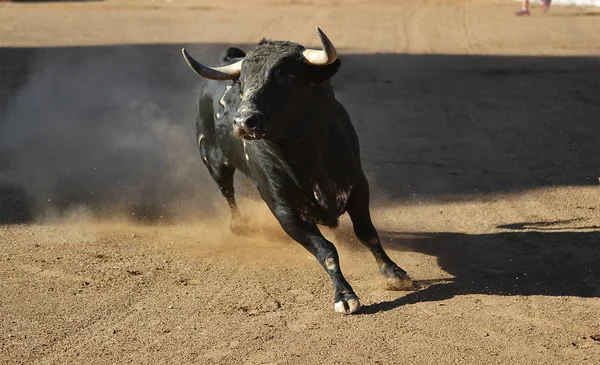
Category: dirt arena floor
[480,136]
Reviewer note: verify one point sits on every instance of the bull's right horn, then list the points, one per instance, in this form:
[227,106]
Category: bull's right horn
[213,73]
[324,57]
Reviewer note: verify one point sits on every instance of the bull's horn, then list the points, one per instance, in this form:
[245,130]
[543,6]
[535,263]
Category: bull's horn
[323,57]
[213,73]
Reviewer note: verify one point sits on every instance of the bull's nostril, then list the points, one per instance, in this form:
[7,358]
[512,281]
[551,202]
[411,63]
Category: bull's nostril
[246,122]
[251,122]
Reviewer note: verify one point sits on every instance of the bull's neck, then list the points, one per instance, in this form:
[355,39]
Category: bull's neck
[306,139]
[306,152]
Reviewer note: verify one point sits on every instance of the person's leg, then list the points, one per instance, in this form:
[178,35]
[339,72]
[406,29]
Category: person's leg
[524,8]
[546,4]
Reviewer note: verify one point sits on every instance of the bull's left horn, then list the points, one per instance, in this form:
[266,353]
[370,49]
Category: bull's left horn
[213,73]
[323,57]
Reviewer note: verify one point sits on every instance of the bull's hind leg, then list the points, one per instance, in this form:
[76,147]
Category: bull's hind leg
[358,209]
[309,236]
[222,174]
[225,182]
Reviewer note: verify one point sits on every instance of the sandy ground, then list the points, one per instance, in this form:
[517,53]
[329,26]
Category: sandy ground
[479,133]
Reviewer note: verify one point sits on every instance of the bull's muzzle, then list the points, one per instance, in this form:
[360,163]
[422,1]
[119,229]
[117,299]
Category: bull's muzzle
[247,126]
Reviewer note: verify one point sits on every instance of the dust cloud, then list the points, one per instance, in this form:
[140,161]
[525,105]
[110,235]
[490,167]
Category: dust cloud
[105,130]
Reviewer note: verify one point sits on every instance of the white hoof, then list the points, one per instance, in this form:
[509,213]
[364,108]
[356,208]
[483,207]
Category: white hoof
[347,306]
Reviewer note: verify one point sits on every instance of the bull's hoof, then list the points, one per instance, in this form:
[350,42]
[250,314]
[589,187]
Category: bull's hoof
[239,227]
[398,279]
[347,304]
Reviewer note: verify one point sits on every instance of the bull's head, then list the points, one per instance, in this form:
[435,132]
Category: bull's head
[277,84]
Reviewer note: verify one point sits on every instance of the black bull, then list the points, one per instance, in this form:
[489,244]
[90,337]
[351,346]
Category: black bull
[272,114]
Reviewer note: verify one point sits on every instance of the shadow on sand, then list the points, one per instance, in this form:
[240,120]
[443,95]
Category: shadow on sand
[553,263]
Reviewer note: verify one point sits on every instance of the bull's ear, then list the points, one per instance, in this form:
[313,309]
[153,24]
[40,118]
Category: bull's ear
[230,55]
[318,74]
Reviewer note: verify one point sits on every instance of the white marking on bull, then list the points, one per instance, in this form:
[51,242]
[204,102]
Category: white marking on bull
[222,101]
[330,264]
[245,151]
[200,138]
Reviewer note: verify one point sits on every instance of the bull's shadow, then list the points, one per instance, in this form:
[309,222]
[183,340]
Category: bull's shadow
[516,262]
[113,125]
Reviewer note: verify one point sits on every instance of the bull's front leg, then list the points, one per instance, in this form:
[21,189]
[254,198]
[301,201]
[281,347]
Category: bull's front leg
[309,236]
[358,209]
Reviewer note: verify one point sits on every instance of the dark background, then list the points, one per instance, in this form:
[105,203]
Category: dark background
[111,127]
